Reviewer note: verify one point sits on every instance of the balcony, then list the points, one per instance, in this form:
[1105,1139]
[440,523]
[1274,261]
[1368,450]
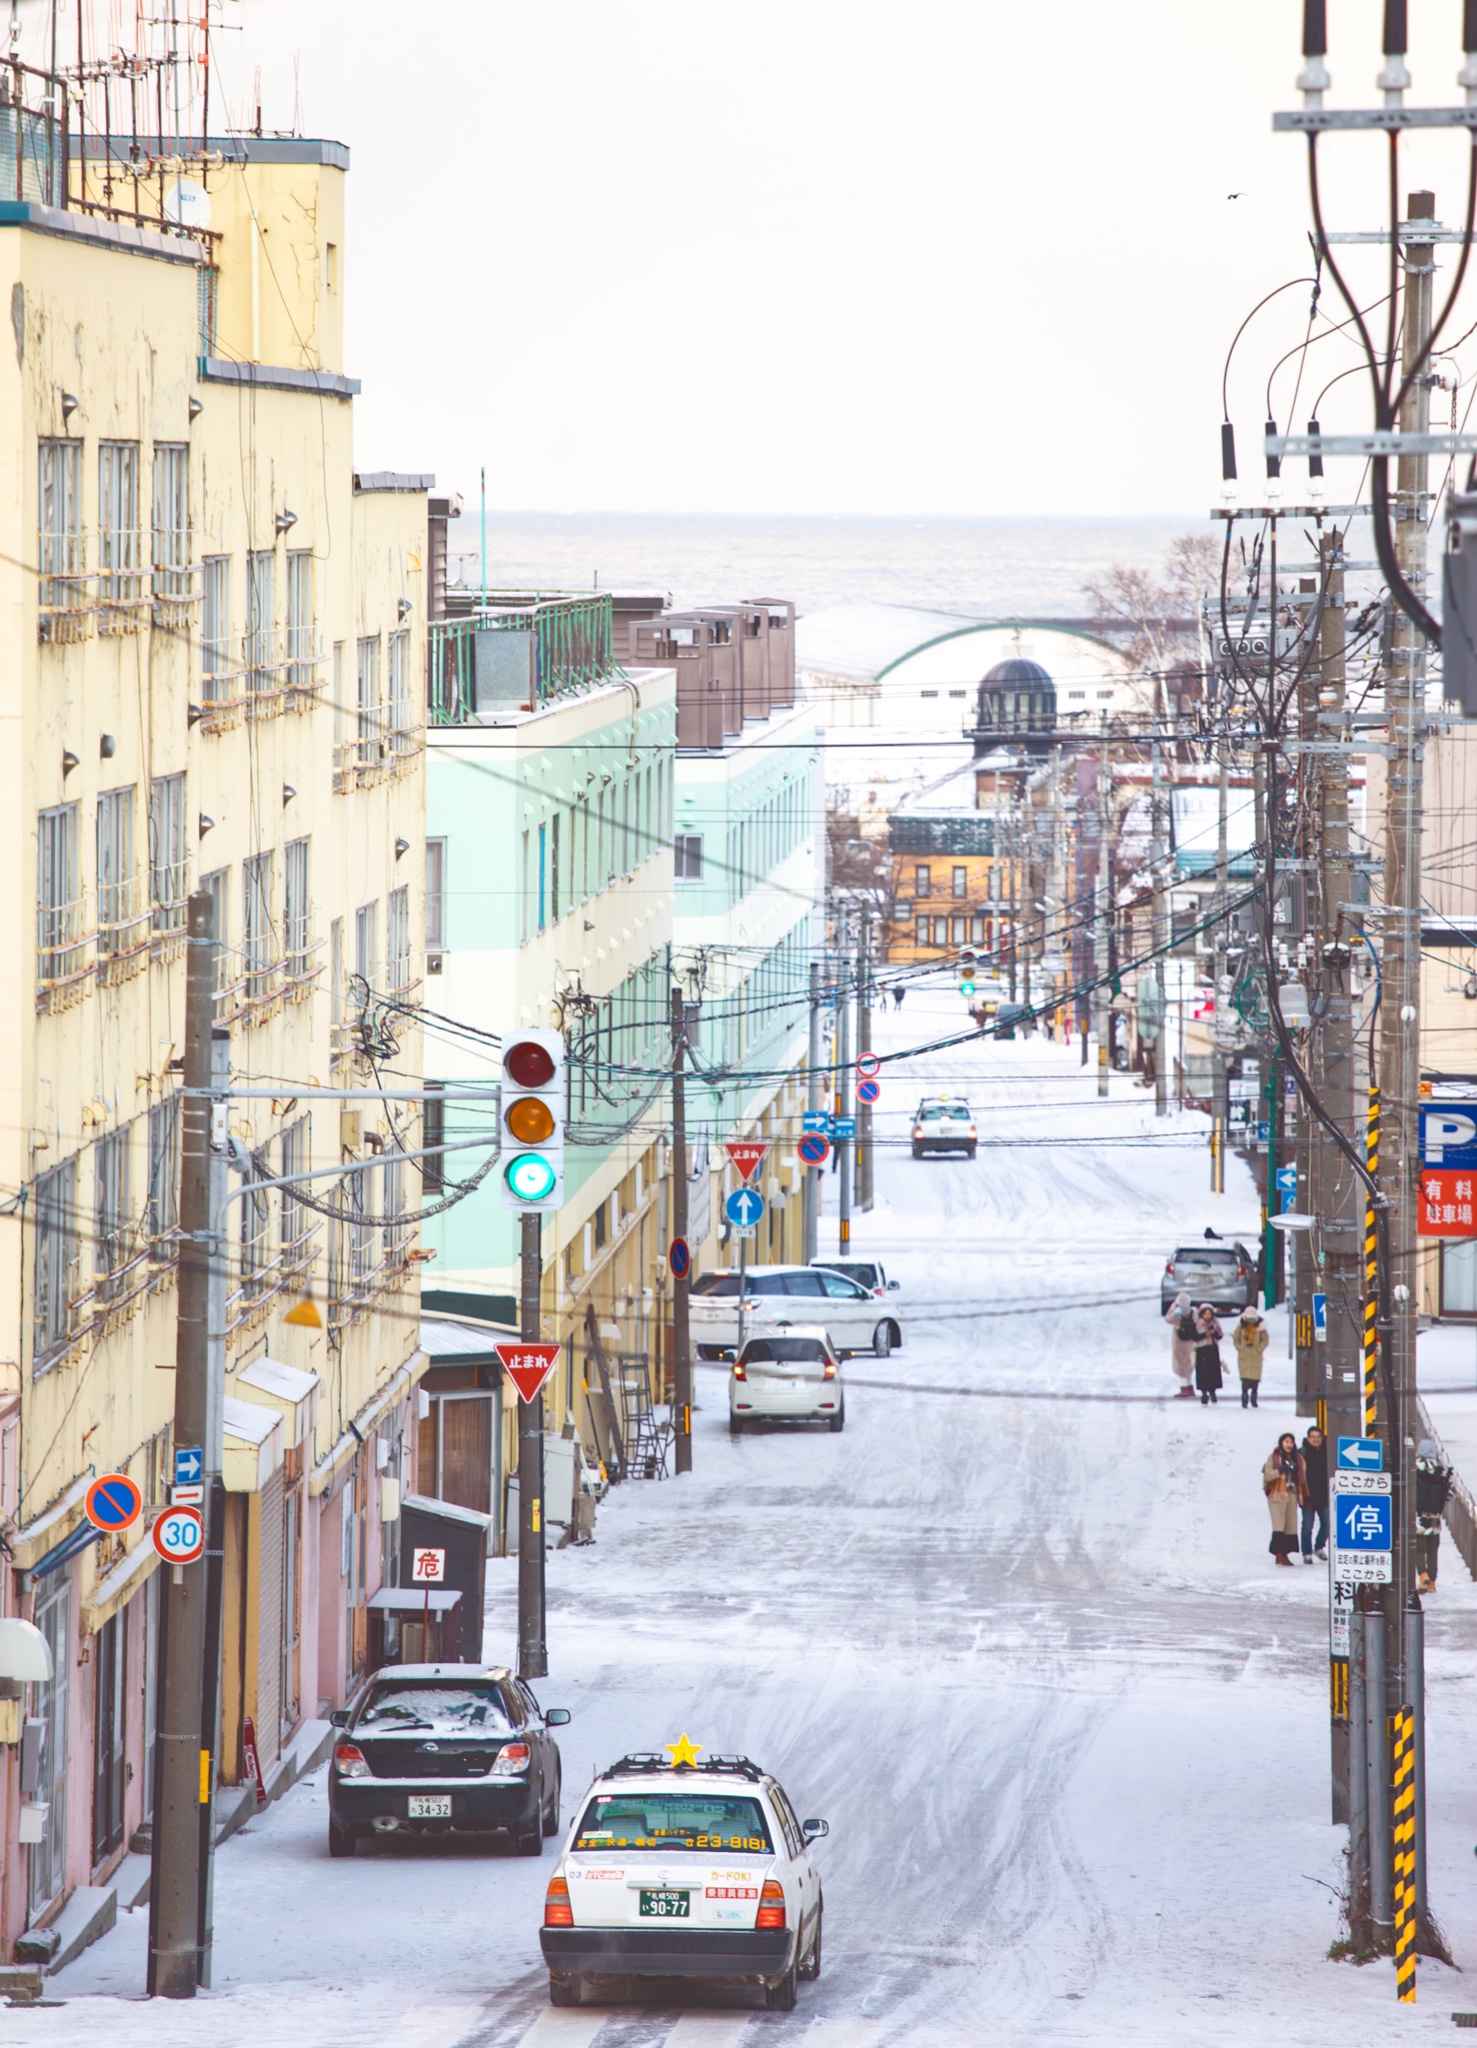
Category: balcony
[514,653]
[259,674]
[124,918]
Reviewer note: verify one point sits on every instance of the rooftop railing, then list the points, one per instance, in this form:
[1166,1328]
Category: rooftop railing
[513,652]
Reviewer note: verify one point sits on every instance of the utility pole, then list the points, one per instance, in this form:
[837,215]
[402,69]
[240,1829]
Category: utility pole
[844,1105]
[681,1282]
[811,1186]
[1102,941]
[1221,1107]
[533,1656]
[1161,933]
[1400,967]
[179,1888]
[864,1174]
[1312,919]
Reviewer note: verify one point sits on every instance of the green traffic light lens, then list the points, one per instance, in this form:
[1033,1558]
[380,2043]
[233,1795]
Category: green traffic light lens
[530,1177]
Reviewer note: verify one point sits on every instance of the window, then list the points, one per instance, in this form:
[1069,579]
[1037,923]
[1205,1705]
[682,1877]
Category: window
[941,931]
[301,637]
[977,928]
[397,939]
[366,943]
[298,961]
[1076,695]
[217,884]
[961,881]
[543,876]
[57,892]
[335,980]
[688,852]
[600,1225]
[168,862]
[920,931]
[261,618]
[922,885]
[369,699]
[296,1222]
[171,519]
[392,1177]
[215,628]
[960,930]
[398,679]
[117,521]
[256,926]
[56,1257]
[115,872]
[433,1132]
[435,895]
[63,550]
[111,1203]
[161,1205]
[255,1241]
[330,266]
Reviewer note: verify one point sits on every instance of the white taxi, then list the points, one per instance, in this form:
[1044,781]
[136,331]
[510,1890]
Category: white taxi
[681,1867]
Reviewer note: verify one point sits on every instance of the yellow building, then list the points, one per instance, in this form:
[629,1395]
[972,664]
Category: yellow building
[215,651]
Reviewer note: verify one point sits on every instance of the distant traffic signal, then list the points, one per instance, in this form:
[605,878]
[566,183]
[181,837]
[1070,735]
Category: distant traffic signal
[966,971]
[533,1121]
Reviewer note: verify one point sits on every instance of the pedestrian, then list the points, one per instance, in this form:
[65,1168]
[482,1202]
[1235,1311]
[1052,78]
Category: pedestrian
[1208,1334]
[1315,1495]
[1432,1491]
[898,992]
[1250,1339]
[1283,1483]
[1182,1344]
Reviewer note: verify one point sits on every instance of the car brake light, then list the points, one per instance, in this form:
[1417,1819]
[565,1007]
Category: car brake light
[828,1370]
[557,1910]
[512,1759]
[351,1760]
[1242,1271]
[771,1904]
[1169,1270]
[739,1372]
[917,1130]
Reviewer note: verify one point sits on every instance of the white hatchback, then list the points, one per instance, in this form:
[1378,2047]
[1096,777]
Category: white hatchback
[777,1298]
[793,1376]
[685,1869]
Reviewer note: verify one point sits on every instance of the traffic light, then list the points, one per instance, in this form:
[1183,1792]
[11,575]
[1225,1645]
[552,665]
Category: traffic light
[532,1176]
[966,971]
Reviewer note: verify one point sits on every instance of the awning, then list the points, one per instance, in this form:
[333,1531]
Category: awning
[117,1587]
[33,1539]
[25,1654]
[63,1553]
[253,1445]
[293,1393]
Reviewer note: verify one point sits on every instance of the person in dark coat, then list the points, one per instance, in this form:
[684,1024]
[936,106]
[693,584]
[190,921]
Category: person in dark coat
[898,992]
[1432,1491]
[1313,1501]
[1208,1334]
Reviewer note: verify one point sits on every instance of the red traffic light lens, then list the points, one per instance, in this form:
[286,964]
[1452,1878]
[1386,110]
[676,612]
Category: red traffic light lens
[528,1064]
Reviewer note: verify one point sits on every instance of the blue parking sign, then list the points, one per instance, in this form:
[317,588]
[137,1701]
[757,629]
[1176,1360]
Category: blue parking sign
[1362,1521]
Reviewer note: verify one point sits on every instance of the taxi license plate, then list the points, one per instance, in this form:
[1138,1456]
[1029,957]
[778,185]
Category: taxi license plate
[430,1806]
[665,1905]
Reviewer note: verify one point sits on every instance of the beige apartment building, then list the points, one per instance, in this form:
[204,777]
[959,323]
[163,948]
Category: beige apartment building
[214,652]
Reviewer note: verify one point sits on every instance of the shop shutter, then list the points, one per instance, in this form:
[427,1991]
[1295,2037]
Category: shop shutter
[269,1628]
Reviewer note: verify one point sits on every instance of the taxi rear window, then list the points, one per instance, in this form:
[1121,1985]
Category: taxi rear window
[673,1820]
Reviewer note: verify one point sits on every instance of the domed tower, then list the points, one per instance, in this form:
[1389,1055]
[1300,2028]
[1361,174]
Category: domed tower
[1017,707]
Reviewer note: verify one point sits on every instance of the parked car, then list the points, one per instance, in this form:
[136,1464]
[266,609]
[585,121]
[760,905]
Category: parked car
[445,1749]
[699,1871]
[942,1123]
[789,1377]
[776,1297]
[1220,1272]
[868,1273]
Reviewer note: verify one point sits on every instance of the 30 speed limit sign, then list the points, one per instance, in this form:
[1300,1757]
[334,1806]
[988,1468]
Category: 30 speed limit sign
[179,1535]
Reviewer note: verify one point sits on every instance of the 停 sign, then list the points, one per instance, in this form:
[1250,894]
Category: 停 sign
[1447,1206]
[1362,1527]
[528,1365]
[427,1567]
[746,1154]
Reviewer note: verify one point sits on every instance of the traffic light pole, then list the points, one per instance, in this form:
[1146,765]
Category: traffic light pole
[681,1282]
[533,1656]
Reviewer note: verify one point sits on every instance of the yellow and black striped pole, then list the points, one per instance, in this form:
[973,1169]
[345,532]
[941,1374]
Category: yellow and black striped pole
[1402,1729]
[1371,1273]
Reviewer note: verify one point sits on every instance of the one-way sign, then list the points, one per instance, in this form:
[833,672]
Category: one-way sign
[188,1465]
[1361,1454]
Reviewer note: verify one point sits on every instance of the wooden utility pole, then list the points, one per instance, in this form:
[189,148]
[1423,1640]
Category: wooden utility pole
[864,1174]
[681,1282]
[1102,941]
[533,1656]
[812,1181]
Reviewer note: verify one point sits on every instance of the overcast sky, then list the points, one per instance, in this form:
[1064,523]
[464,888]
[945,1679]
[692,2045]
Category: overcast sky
[820,255]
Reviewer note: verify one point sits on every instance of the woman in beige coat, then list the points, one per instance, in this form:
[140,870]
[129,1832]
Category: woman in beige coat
[1250,1339]
[1182,1342]
[1284,1485]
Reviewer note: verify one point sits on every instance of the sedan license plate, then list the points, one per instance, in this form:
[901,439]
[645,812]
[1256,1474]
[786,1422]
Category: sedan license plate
[430,1805]
[666,1905]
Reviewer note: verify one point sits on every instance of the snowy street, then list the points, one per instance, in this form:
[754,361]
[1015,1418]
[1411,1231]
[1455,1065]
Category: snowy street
[1016,1634]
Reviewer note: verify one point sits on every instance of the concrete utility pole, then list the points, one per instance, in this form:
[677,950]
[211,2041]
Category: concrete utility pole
[811,1185]
[1101,936]
[681,1282]
[533,1656]
[844,1104]
[864,1171]
[1161,934]
[186,1763]
[1308,893]
[1221,1106]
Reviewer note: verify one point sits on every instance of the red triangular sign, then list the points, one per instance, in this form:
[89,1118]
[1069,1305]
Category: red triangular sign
[528,1365]
[746,1154]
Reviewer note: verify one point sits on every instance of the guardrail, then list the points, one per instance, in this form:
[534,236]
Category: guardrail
[515,654]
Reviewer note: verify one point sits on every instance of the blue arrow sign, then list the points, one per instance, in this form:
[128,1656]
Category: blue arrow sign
[1361,1454]
[189,1464]
[1287,1179]
[1320,1320]
[1362,1521]
[816,1120]
[744,1207]
[844,1127]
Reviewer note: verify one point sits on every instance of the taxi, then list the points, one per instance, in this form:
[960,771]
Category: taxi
[680,1865]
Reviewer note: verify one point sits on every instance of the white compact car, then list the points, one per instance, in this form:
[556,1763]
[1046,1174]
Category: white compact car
[793,1376]
[681,1868]
[777,1298]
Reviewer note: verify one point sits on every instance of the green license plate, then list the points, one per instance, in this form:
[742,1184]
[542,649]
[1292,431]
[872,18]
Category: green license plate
[666,1905]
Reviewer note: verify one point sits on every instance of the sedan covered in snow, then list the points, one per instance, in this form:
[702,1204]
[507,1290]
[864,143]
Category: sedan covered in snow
[685,1869]
[441,1749]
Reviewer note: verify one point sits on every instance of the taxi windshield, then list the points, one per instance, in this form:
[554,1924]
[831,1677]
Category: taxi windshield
[673,1820]
[474,1708]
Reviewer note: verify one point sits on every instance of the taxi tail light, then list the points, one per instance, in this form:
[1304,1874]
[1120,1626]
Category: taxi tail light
[740,1371]
[771,1904]
[351,1760]
[557,1910]
[512,1760]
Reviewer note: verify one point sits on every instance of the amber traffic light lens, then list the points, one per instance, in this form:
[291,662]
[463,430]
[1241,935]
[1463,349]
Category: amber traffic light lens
[529,1064]
[530,1121]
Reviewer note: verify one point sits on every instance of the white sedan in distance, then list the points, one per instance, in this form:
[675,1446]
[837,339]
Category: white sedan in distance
[794,1376]
[776,1298]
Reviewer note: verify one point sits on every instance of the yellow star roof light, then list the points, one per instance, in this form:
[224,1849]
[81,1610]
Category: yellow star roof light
[684,1753]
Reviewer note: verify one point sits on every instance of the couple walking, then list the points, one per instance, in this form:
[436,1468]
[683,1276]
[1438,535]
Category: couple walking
[1196,1350]
[1295,1482]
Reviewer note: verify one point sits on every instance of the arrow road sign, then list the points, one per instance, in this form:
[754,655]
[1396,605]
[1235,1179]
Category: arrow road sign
[843,1127]
[1361,1454]
[814,1149]
[189,1465]
[179,1535]
[746,1153]
[1287,1186]
[868,1065]
[1320,1318]
[113,1502]
[528,1365]
[816,1120]
[868,1091]
[744,1207]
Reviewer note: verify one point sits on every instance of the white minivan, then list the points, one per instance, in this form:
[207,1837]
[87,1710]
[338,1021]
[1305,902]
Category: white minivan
[775,1297]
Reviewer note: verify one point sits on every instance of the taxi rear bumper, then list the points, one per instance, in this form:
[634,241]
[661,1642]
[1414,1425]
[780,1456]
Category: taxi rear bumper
[667,1951]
